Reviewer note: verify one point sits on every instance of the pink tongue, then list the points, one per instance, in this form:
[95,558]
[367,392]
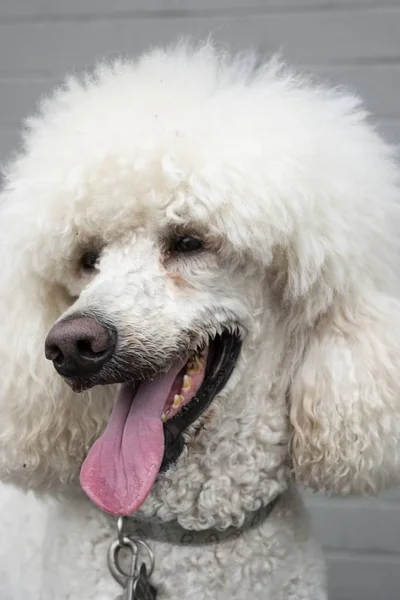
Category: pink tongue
[123,463]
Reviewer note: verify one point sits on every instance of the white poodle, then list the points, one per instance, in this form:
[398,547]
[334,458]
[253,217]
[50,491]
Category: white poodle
[205,248]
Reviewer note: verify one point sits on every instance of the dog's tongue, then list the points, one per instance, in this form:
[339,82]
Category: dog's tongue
[124,462]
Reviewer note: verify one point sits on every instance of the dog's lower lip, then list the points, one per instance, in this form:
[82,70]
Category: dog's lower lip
[224,355]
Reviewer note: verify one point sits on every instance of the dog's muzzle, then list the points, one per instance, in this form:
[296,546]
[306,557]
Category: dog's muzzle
[156,403]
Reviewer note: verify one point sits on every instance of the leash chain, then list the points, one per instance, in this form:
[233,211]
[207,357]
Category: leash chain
[135,582]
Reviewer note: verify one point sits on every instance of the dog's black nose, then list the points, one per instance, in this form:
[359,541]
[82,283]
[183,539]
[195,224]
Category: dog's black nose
[80,346]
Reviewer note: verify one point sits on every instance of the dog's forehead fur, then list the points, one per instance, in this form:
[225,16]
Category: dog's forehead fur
[190,136]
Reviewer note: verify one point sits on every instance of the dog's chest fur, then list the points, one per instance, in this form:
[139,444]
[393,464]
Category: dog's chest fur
[276,560]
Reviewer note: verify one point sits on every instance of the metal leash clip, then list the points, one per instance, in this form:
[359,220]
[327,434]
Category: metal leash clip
[136,582]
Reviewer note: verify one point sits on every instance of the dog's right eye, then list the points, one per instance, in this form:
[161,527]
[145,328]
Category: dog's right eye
[89,260]
[186,243]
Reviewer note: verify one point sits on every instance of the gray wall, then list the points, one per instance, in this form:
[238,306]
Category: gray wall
[355,42]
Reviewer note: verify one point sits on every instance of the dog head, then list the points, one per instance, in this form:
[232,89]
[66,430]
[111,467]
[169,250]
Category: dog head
[196,238]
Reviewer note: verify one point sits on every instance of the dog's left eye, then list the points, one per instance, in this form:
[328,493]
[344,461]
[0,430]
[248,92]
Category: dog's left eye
[89,260]
[187,244]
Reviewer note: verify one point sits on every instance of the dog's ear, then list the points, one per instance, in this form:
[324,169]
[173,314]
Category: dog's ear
[345,397]
[44,426]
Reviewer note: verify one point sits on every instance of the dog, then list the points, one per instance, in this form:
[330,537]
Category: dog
[199,314]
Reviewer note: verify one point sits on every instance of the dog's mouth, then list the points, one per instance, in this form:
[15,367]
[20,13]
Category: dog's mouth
[144,432]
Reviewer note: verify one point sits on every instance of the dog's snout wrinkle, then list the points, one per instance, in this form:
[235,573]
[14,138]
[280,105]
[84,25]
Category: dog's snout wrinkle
[80,345]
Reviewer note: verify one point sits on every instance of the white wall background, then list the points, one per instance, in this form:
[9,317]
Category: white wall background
[353,42]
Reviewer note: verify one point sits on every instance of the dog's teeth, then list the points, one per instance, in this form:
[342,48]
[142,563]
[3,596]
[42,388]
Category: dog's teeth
[164,417]
[195,365]
[178,399]
[187,382]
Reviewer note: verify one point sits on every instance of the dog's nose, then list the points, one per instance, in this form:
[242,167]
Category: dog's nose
[80,346]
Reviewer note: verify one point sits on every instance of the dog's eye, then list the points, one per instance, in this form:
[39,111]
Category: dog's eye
[89,260]
[187,244]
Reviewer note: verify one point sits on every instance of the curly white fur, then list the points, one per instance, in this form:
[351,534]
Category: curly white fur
[295,195]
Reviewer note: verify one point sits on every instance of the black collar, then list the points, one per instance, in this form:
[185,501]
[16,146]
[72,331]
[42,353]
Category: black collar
[172,532]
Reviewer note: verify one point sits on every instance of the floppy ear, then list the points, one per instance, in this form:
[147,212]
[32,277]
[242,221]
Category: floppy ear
[345,398]
[45,429]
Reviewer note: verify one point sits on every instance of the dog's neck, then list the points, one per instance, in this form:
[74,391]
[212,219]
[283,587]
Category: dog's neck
[172,532]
